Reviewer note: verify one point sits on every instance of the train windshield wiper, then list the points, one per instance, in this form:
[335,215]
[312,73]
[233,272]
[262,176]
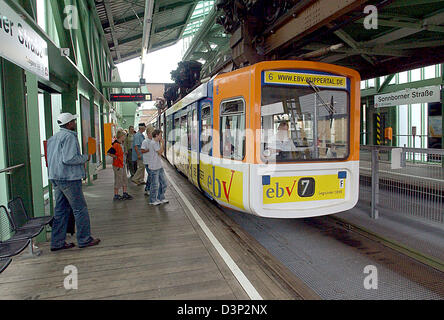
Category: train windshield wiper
[329,106]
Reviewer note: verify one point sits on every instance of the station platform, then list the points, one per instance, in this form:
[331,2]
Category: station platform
[160,252]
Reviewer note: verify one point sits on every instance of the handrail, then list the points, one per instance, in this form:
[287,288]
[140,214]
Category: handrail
[404,149]
[9,169]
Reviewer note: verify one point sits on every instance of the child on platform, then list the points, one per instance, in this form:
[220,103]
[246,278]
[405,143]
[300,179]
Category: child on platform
[120,178]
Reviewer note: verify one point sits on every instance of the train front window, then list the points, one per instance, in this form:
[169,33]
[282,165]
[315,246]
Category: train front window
[304,123]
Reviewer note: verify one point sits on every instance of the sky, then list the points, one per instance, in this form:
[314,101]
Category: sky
[158,65]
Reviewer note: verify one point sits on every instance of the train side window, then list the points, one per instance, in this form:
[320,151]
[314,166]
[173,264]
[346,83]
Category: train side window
[206,137]
[183,132]
[176,130]
[189,128]
[194,130]
[232,120]
[169,127]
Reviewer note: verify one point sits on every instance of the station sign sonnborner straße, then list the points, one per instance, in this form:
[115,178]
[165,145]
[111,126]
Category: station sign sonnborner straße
[20,44]
[409,96]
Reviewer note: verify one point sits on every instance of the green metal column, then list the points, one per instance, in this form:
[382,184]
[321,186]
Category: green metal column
[49,132]
[17,133]
[102,133]
[93,135]
[35,154]
[4,192]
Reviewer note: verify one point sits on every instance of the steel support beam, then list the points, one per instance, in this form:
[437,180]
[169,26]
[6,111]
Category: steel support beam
[385,83]
[313,17]
[65,37]
[352,43]
[109,15]
[121,84]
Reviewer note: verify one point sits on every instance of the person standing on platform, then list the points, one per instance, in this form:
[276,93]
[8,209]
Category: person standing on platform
[158,178]
[120,177]
[144,150]
[66,169]
[128,145]
[139,176]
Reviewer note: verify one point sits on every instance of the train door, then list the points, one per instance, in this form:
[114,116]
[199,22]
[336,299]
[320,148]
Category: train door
[205,144]
[194,144]
[188,159]
[183,144]
[162,127]
[176,142]
[169,138]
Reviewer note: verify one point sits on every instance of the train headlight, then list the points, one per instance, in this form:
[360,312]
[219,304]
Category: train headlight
[266,153]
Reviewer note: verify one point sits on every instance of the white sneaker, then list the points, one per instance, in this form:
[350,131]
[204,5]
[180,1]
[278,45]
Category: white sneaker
[164,201]
[155,203]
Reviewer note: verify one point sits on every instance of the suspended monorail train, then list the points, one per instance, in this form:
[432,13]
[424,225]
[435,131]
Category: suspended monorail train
[277,139]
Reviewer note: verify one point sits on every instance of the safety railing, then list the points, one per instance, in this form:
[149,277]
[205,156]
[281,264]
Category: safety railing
[12,168]
[404,181]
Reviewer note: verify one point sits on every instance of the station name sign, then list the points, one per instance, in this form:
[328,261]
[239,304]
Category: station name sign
[20,44]
[133,97]
[409,96]
[302,79]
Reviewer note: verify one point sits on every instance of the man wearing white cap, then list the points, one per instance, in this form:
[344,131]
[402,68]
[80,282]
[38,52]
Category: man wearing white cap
[66,166]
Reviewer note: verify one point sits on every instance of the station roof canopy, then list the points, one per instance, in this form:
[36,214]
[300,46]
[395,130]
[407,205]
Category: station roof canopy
[123,24]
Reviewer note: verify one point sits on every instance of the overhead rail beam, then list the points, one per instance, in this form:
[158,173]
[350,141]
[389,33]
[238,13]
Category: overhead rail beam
[313,17]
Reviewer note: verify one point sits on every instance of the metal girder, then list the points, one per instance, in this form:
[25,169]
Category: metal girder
[176,4]
[99,28]
[127,40]
[110,17]
[312,18]
[416,44]
[63,33]
[121,84]
[205,30]
[419,25]
[386,82]
[409,3]
[171,27]
[83,46]
[118,22]
[353,44]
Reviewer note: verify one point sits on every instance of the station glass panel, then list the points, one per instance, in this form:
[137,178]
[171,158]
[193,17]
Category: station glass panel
[301,124]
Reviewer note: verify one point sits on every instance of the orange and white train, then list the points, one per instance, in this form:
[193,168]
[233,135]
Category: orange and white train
[277,139]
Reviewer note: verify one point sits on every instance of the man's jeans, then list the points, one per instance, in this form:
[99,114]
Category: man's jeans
[69,195]
[148,179]
[158,185]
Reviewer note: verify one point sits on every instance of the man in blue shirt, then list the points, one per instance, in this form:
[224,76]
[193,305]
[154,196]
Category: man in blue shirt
[139,176]
[66,166]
